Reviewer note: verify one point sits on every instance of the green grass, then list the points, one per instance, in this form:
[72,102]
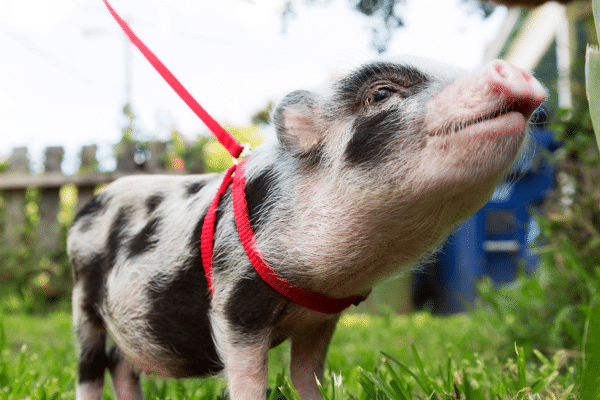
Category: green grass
[418,356]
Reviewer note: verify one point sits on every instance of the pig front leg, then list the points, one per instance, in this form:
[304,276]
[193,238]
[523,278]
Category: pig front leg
[244,356]
[309,349]
[246,366]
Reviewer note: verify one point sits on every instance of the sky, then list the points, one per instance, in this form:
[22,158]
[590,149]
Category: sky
[63,63]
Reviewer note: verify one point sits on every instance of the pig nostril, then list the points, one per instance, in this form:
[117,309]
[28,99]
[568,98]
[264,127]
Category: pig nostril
[501,70]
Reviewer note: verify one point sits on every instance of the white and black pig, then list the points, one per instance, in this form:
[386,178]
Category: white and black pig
[364,179]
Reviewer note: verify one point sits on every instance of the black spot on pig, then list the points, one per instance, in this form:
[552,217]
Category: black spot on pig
[92,363]
[193,188]
[197,234]
[153,202]
[180,323]
[223,246]
[90,209]
[260,192]
[224,203]
[195,242]
[372,138]
[253,306]
[145,240]
[116,235]
[92,274]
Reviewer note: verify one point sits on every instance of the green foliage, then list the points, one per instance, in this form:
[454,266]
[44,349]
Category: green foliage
[44,371]
[590,378]
[130,132]
[35,281]
[216,156]
[570,225]
[263,117]
[17,262]
[555,307]
[206,154]
[4,165]
[540,311]
[182,154]
[484,380]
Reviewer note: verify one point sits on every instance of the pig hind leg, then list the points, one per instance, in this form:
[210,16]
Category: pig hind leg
[91,335]
[125,378]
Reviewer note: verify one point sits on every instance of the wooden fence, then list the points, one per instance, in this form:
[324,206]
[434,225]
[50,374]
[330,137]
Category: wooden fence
[15,182]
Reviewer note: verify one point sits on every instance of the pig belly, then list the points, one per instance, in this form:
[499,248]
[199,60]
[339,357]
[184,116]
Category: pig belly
[164,330]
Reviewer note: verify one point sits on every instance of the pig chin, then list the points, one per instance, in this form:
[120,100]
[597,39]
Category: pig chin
[472,158]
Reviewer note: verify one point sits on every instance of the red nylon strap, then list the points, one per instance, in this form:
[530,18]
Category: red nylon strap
[229,142]
[303,297]
[208,228]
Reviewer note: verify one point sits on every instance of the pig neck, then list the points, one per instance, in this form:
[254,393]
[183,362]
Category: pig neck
[343,240]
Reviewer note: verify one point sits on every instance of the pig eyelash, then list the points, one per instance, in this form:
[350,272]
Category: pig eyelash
[392,87]
[389,92]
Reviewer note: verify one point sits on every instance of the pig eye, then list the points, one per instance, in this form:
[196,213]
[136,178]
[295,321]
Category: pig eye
[379,96]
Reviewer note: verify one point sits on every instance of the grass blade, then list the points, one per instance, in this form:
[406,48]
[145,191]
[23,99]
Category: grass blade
[292,393]
[467,389]
[542,358]
[397,381]
[425,381]
[450,375]
[403,368]
[379,383]
[590,378]
[521,367]
[2,335]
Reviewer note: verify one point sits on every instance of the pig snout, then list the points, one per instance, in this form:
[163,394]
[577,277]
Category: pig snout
[518,88]
[500,88]
[475,128]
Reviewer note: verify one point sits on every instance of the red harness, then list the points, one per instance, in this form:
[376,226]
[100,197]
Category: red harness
[303,297]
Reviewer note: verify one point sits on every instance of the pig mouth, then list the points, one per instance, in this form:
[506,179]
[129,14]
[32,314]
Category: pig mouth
[462,125]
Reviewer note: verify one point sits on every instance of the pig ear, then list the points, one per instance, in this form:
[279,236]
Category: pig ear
[297,125]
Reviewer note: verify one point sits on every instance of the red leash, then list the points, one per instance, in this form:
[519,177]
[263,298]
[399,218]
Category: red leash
[232,145]
[303,297]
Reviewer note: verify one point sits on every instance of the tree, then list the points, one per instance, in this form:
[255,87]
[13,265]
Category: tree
[528,3]
[385,15]
[387,19]
[263,117]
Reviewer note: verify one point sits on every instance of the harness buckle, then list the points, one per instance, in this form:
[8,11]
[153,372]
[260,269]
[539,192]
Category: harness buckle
[245,153]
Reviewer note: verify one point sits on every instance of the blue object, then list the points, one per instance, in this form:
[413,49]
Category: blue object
[496,241]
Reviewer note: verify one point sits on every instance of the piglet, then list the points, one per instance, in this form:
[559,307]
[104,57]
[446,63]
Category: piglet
[363,180]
